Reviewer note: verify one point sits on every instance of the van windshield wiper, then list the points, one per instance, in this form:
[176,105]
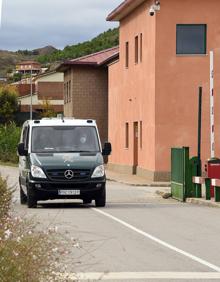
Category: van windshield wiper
[81,151]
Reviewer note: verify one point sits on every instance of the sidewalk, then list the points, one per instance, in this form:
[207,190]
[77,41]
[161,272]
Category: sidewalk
[163,187]
[133,180]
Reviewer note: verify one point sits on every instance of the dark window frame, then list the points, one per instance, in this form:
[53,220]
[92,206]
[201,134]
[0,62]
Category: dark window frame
[204,42]
[136,49]
[141,47]
[126,135]
[127,54]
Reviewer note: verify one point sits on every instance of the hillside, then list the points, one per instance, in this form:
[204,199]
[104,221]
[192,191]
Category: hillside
[103,41]
[9,59]
[50,55]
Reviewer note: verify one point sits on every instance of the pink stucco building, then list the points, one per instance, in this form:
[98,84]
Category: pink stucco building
[153,87]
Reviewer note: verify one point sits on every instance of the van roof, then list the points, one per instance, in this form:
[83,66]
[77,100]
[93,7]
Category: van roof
[61,122]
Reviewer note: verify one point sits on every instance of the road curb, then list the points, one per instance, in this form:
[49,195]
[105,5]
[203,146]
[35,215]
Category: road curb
[203,202]
[140,185]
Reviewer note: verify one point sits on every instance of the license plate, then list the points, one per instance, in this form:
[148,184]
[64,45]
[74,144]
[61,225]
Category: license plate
[68,192]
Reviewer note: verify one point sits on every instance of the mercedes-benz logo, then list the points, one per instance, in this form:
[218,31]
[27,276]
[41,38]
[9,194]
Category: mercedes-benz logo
[69,174]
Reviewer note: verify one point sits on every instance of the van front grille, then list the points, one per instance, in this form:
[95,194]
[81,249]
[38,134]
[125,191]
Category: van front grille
[68,174]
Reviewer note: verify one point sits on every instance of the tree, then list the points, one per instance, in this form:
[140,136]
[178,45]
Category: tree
[8,103]
[47,109]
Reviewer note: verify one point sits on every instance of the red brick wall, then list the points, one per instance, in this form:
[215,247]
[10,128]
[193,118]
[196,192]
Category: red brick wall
[50,90]
[24,89]
[26,108]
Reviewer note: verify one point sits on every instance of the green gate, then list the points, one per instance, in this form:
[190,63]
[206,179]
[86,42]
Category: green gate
[179,173]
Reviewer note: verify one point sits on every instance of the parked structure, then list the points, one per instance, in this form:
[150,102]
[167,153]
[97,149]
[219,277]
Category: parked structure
[86,88]
[164,58]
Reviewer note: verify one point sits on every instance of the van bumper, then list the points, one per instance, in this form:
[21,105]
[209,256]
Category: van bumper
[45,190]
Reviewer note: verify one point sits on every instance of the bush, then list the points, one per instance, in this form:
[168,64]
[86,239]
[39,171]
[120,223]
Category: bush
[9,139]
[8,102]
[26,255]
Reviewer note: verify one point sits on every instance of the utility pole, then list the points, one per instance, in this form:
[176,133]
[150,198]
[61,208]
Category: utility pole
[31,105]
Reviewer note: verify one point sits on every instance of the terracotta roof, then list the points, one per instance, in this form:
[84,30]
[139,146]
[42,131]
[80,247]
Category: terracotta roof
[96,59]
[28,63]
[124,9]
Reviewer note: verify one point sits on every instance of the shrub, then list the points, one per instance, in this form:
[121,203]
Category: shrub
[26,255]
[8,102]
[9,139]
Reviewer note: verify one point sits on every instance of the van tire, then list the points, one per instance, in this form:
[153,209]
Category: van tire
[100,201]
[31,198]
[23,197]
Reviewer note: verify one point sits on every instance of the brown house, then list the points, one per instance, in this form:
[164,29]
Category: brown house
[86,88]
[153,100]
[26,67]
[46,86]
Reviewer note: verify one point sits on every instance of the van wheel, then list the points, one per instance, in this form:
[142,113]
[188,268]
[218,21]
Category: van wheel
[100,201]
[31,198]
[23,197]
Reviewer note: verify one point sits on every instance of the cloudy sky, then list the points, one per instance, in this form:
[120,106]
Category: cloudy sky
[30,24]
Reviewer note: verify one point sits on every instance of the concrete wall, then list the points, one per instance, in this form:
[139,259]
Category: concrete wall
[51,77]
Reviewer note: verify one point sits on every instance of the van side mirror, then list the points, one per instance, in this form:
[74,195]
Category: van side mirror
[107,149]
[21,150]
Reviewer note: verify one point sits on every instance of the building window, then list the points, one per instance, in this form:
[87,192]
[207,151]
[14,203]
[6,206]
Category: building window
[69,91]
[141,47]
[65,98]
[127,54]
[126,135]
[191,39]
[136,49]
[141,135]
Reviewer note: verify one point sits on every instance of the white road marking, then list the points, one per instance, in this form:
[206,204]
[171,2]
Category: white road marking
[127,276]
[163,243]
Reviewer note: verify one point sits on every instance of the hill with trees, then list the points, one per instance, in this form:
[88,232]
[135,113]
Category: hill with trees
[103,41]
[51,56]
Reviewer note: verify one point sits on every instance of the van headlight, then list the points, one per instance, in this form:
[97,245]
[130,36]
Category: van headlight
[98,172]
[37,172]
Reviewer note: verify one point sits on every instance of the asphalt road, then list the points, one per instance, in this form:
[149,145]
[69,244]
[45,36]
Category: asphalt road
[137,237]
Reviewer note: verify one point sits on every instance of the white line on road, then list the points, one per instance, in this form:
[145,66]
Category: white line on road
[163,243]
[100,276]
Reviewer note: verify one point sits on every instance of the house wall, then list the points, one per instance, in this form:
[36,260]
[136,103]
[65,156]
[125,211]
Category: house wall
[24,89]
[132,95]
[51,77]
[68,108]
[50,90]
[178,78]
[89,96]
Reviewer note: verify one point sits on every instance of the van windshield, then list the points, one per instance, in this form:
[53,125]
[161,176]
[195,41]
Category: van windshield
[64,139]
